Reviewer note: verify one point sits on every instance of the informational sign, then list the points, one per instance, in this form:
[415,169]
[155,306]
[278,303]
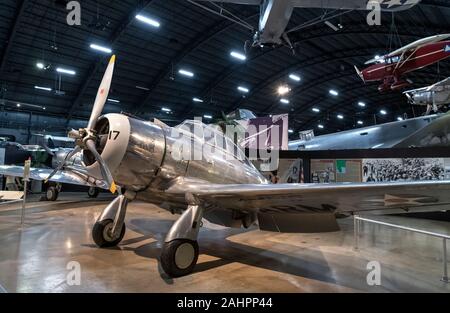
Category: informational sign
[323,171]
[290,171]
[348,171]
[387,170]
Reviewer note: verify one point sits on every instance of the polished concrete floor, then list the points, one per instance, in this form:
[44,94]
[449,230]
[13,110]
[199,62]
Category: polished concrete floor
[35,258]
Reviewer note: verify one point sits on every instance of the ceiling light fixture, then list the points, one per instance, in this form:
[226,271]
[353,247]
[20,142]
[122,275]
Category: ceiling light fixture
[334,92]
[340,116]
[42,88]
[65,71]
[316,110]
[238,55]
[243,89]
[100,48]
[148,20]
[186,73]
[285,101]
[197,100]
[362,104]
[295,77]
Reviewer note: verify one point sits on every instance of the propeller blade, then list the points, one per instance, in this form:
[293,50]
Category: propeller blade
[102,94]
[106,173]
[61,165]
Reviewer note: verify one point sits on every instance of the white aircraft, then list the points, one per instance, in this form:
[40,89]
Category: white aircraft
[276,14]
[142,160]
[434,96]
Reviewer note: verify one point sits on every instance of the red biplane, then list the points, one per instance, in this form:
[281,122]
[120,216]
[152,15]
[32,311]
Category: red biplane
[391,68]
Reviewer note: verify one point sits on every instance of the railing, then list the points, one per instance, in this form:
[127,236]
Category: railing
[444,238]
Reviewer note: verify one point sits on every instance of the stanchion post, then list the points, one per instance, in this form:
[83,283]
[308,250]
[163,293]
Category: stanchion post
[356,231]
[444,251]
[26,179]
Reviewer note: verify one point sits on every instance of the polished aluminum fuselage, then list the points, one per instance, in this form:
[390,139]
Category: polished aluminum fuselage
[153,161]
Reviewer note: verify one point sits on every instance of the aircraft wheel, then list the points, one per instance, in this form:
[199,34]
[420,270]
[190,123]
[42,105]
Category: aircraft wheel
[179,257]
[101,234]
[93,192]
[51,194]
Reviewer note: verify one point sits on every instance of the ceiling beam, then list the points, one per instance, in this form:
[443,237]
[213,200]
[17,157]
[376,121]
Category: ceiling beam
[12,34]
[99,62]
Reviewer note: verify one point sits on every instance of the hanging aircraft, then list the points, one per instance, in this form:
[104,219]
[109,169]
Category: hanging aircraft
[425,131]
[143,160]
[276,14]
[434,96]
[391,68]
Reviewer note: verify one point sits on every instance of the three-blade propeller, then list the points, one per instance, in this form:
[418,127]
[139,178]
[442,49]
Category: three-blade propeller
[85,138]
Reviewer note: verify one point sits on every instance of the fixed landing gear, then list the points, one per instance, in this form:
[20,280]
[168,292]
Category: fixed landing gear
[109,229]
[180,250]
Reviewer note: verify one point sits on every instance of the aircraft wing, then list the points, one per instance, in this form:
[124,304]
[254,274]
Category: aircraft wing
[401,5]
[419,43]
[65,177]
[323,198]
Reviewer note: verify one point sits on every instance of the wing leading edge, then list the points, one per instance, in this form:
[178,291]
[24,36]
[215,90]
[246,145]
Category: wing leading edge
[65,177]
[323,198]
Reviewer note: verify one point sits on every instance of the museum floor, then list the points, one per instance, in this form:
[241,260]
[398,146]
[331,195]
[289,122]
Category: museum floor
[35,259]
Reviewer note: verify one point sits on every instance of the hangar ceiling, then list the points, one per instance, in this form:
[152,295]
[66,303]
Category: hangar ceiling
[147,77]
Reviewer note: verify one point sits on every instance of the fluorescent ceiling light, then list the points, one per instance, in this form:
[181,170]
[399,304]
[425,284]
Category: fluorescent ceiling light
[142,88]
[360,123]
[207,116]
[362,104]
[18,105]
[114,100]
[290,131]
[40,65]
[383,112]
[243,89]
[186,73]
[65,71]
[197,100]
[295,77]
[334,92]
[44,108]
[166,110]
[285,101]
[43,88]
[148,20]
[100,48]
[340,116]
[321,126]
[316,110]
[238,55]
[399,118]
[283,89]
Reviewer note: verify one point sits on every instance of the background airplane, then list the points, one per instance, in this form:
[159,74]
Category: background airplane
[152,162]
[276,14]
[391,68]
[434,96]
[425,131]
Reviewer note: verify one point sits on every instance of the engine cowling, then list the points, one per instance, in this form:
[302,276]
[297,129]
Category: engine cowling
[133,150]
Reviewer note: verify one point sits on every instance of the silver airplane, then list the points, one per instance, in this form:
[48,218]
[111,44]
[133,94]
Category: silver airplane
[434,96]
[425,131]
[140,160]
[276,14]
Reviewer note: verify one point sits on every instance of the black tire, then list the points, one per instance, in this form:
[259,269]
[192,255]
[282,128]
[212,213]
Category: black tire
[99,232]
[169,257]
[93,192]
[51,194]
